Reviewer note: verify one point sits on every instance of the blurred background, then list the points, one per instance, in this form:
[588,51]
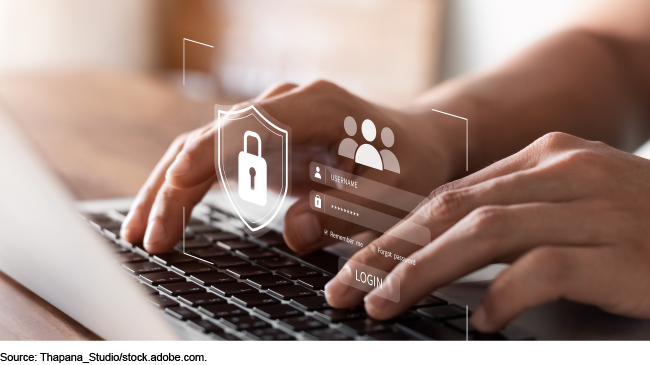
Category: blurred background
[97,84]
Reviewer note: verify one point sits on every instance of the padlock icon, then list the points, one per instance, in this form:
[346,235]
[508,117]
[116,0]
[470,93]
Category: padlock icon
[317,201]
[252,173]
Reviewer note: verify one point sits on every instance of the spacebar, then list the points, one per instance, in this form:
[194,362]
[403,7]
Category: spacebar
[321,259]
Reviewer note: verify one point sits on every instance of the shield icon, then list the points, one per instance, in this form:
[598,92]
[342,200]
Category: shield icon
[253,160]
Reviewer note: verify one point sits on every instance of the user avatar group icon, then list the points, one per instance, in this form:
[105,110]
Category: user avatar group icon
[367,154]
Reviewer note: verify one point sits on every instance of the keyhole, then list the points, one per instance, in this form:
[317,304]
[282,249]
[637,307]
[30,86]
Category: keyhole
[252,172]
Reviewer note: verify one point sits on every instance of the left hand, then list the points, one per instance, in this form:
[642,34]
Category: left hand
[572,216]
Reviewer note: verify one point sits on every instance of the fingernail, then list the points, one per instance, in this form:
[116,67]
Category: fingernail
[181,166]
[125,223]
[308,228]
[479,320]
[335,287]
[374,303]
[155,233]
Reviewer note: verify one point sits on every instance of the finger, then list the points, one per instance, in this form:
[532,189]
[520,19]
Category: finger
[534,154]
[165,225]
[135,223]
[538,184]
[194,164]
[488,235]
[543,275]
[341,295]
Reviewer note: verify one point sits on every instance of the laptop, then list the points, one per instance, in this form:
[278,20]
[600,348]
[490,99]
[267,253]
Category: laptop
[220,283]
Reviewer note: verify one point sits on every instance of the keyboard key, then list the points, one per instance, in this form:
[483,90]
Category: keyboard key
[289,292]
[204,228]
[339,314]
[139,268]
[429,301]
[272,239]
[129,257]
[243,272]
[424,329]
[149,290]
[196,221]
[209,252]
[221,236]
[165,277]
[459,324]
[232,288]
[192,244]
[315,283]
[268,334]
[176,289]
[294,273]
[181,313]
[205,326]
[390,336]
[225,336]
[513,333]
[268,281]
[443,312]
[298,324]
[170,258]
[227,261]
[221,310]
[236,244]
[192,268]
[211,278]
[201,299]
[278,262]
[98,218]
[256,253]
[328,334]
[310,303]
[278,311]
[251,300]
[322,259]
[119,249]
[162,301]
[112,233]
[368,325]
[244,323]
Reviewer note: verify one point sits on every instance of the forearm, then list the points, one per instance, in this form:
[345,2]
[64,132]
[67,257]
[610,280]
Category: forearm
[574,82]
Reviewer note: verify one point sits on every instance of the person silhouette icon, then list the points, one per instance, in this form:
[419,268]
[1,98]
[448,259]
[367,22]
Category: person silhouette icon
[348,146]
[317,174]
[367,154]
[390,161]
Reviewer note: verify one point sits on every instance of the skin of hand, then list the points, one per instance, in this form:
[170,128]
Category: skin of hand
[570,215]
[315,114]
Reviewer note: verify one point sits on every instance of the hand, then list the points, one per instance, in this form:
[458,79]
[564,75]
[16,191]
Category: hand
[315,113]
[572,216]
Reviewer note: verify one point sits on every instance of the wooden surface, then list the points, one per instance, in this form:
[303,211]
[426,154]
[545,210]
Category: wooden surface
[102,133]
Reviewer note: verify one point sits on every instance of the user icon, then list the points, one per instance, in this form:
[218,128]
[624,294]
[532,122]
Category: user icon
[317,174]
[390,161]
[367,154]
[348,146]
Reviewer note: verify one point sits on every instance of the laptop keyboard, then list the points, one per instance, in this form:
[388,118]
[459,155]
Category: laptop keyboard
[241,288]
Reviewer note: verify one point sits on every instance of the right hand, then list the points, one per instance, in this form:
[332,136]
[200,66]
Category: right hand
[315,113]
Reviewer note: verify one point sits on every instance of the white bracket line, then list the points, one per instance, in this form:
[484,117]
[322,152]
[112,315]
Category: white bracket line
[466,136]
[466,322]
[184,241]
[187,39]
